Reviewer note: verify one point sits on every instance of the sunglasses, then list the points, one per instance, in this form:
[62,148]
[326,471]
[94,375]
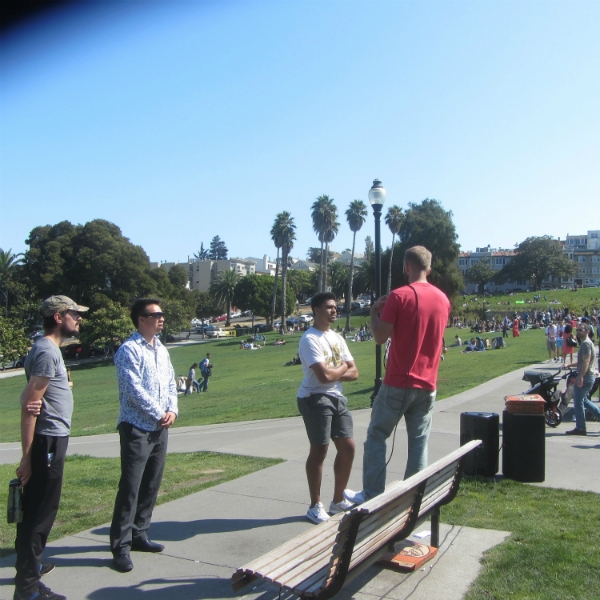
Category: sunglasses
[156,315]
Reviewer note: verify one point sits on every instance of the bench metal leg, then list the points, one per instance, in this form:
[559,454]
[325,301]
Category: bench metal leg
[435,527]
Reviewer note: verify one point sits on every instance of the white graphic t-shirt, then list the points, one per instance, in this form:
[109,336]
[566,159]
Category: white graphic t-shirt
[326,347]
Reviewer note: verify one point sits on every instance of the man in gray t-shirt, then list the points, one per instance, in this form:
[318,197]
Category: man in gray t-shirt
[47,406]
[584,381]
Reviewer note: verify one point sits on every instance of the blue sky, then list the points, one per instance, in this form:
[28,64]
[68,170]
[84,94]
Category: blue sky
[181,120]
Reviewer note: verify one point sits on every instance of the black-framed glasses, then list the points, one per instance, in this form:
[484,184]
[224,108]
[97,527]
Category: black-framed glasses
[156,315]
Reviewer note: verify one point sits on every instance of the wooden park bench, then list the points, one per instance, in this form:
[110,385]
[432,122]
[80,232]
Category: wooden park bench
[317,563]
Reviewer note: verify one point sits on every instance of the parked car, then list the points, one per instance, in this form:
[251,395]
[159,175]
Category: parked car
[73,350]
[216,332]
[12,364]
[261,328]
[306,319]
[247,313]
[291,322]
[235,313]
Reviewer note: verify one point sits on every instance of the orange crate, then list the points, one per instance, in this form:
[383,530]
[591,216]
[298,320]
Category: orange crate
[527,404]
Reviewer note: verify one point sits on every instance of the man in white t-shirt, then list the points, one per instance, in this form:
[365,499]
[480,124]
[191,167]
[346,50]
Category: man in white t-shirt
[551,332]
[326,362]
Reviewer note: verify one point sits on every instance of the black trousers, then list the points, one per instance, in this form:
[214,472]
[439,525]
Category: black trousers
[41,497]
[143,456]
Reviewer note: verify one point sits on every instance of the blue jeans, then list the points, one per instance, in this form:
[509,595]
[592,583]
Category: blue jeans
[580,400]
[204,383]
[391,404]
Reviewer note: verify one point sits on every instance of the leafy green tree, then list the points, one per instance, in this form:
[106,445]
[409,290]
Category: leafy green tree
[339,279]
[369,248]
[301,283]
[9,267]
[206,306]
[393,219]
[428,224]
[356,216]
[202,254]
[538,258]
[283,234]
[222,288]
[178,276]
[178,315]
[164,287]
[106,327]
[13,343]
[479,274]
[88,262]
[315,255]
[364,280]
[253,292]
[218,249]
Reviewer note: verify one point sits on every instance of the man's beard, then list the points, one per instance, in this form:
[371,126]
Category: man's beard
[67,332]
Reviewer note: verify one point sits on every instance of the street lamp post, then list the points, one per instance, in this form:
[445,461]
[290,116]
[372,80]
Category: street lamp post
[377,196]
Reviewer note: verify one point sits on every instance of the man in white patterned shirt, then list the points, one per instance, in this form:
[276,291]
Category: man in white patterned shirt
[148,397]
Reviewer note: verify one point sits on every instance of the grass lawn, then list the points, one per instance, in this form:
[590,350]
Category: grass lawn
[554,549]
[254,384]
[90,487]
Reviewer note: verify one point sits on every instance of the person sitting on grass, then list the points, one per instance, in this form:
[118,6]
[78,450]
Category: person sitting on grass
[470,347]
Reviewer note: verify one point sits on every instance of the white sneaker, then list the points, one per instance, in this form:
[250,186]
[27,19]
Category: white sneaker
[343,506]
[355,497]
[317,513]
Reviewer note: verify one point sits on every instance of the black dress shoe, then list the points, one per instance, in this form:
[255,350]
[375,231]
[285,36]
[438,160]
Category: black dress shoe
[45,568]
[145,545]
[123,563]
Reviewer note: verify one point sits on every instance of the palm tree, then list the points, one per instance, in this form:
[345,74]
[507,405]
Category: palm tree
[394,220]
[8,262]
[276,237]
[222,288]
[330,233]
[324,215]
[356,216]
[283,235]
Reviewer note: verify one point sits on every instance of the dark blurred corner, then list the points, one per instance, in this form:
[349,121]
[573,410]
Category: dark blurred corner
[18,12]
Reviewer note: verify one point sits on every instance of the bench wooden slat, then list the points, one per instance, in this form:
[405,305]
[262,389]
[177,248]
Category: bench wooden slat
[323,553]
[309,565]
[299,544]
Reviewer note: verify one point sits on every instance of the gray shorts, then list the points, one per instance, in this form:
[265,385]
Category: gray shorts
[325,417]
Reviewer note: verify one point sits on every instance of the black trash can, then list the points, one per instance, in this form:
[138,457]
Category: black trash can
[482,426]
[524,447]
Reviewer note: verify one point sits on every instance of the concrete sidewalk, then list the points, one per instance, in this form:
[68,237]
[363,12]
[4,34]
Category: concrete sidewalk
[211,533]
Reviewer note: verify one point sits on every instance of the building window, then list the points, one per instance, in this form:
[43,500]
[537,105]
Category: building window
[581,259]
[595,258]
[582,270]
[462,261]
[594,270]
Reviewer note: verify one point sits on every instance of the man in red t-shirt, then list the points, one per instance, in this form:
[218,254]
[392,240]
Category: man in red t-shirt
[415,316]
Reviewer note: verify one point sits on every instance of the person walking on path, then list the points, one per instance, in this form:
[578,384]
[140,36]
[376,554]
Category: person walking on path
[584,381]
[206,370]
[47,407]
[148,398]
[415,316]
[326,363]
[551,332]
[568,338]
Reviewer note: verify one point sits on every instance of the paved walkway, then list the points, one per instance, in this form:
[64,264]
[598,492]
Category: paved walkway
[210,533]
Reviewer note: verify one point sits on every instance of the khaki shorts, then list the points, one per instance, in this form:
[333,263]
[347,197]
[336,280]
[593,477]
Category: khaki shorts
[326,417]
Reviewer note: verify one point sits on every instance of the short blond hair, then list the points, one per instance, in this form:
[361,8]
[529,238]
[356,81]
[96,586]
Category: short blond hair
[419,257]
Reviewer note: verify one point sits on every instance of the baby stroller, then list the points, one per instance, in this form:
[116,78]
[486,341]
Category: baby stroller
[544,383]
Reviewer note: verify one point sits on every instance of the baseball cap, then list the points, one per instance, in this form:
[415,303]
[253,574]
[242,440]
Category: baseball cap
[58,304]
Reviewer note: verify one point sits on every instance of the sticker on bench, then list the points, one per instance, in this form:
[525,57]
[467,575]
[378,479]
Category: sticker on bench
[410,558]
